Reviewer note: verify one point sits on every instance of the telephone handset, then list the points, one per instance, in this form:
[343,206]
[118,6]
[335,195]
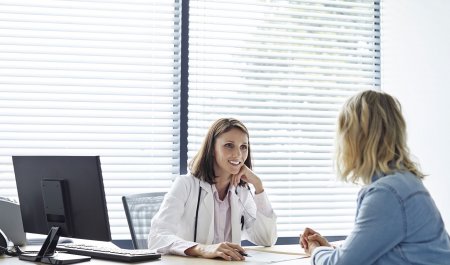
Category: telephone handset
[3,242]
[7,247]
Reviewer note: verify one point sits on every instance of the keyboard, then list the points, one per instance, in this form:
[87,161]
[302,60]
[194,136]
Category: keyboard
[109,253]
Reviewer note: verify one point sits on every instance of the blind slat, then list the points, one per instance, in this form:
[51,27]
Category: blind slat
[102,78]
[285,69]
[93,78]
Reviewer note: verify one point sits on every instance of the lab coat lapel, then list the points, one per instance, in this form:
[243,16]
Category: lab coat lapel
[207,202]
[235,216]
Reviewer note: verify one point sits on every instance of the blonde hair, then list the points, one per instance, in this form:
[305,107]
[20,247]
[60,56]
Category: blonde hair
[202,165]
[371,138]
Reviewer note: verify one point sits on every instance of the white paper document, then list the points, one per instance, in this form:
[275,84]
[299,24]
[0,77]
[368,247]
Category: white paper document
[269,257]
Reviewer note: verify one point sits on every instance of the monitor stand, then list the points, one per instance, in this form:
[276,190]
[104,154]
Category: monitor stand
[48,254]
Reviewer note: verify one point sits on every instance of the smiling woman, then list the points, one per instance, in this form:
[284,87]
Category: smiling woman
[223,134]
[230,152]
[205,211]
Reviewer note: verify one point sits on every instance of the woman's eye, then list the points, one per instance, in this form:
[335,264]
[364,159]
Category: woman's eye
[244,147]
[229,145]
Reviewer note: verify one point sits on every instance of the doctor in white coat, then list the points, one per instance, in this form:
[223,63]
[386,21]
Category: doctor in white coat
[209,212]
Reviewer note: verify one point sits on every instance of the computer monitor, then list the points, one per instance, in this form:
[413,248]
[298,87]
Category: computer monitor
[65,192]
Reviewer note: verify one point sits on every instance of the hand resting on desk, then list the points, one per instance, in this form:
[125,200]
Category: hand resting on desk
[225,250]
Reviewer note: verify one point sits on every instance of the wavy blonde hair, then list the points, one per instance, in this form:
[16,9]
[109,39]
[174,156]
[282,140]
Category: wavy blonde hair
[371,138]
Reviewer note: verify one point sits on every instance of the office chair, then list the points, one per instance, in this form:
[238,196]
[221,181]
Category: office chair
[140,209]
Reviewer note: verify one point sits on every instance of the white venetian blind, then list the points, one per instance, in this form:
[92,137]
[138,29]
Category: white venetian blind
[92,78]
[284,68]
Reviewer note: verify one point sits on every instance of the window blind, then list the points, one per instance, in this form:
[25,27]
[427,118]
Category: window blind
[92,78]
[284,68]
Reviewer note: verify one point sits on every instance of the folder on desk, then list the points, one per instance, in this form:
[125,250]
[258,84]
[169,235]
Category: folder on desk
[270,257]
[281,249]
[274,254]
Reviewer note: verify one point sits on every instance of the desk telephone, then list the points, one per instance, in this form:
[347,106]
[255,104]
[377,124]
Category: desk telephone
[11,221]
[11,225]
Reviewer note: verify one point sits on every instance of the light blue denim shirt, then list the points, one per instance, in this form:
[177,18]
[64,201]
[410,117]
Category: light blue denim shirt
[397,223]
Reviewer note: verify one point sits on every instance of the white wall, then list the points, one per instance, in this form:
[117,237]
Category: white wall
[415,67]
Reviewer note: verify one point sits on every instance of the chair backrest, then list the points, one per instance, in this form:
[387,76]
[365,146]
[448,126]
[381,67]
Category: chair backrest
[140,209]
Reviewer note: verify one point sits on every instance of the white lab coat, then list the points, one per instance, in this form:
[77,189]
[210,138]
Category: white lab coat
[175,220]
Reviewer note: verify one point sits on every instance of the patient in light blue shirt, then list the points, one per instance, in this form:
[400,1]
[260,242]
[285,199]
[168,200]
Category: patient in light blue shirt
[397,221]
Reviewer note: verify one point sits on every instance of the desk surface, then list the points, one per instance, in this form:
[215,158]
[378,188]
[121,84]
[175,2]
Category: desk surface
[292,250]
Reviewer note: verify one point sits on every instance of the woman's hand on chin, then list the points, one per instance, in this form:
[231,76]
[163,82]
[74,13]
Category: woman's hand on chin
[247,175]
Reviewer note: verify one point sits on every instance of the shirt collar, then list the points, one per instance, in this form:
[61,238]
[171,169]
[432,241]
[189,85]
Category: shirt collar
[216,193]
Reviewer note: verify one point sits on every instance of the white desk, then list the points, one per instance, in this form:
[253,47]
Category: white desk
[172,260]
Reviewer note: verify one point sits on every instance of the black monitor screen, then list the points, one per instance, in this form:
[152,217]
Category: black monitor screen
[65,192]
